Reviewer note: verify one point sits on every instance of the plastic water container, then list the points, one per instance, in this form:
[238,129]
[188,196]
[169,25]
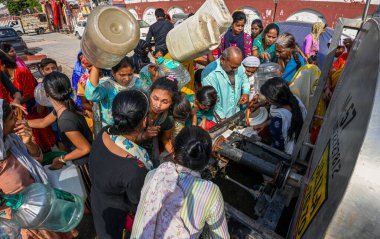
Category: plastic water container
[194,37]
[39,95]
[111,33]
[264,72]
[68,179]
[9,229]
[41,207]
[175,69]
[218,9]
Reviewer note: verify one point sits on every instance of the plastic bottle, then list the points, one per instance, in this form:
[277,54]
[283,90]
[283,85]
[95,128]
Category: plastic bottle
[194,37]
[39,206]
[111,33]
[218,9]
[175,69]
[9,229]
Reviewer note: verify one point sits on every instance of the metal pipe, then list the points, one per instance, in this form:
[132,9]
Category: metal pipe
[365,12]
[247,159]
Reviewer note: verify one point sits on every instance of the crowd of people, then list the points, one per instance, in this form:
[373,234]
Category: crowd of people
[141,171]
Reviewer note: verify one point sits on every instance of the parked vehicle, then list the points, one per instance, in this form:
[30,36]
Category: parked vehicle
[25,24]
[9,35]
[144,28]
[79,29]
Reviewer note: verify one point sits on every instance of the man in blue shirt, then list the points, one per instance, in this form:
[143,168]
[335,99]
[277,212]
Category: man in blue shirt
[228,77]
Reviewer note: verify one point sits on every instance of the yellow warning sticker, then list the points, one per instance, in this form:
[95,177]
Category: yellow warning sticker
[315,195]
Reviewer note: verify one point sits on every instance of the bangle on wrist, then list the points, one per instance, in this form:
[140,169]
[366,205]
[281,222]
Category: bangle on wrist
[60,159]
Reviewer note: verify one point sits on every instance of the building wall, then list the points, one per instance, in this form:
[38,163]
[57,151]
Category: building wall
[330,10]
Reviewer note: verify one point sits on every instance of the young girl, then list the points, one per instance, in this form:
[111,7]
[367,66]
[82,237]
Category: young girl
[105,91]
[287,114]
[203,103]
[256,28]
[235,36]
[163,95]
[182,114]
[289,58]
[75,134]
[264,46]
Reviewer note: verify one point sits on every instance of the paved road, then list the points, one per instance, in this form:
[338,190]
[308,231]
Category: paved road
[61,47]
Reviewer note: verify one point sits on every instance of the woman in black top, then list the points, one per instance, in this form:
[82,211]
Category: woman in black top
[117,167]
[75,133]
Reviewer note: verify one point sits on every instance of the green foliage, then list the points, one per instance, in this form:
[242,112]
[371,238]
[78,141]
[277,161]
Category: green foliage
[15,7]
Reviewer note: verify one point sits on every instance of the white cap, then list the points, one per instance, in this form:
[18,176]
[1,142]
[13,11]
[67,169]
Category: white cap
[251,61]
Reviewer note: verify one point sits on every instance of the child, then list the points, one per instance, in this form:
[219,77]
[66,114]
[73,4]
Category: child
[251,64]
[182,112]
[203,103]
[198,80]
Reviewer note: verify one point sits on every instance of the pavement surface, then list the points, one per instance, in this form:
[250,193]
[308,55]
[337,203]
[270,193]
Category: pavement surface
[64,49]
[59,46]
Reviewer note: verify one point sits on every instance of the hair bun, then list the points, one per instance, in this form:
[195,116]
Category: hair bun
[196,154]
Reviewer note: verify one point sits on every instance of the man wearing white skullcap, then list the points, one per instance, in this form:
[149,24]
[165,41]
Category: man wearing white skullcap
[251,63]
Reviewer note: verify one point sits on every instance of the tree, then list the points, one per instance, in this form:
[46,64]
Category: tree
[15,7]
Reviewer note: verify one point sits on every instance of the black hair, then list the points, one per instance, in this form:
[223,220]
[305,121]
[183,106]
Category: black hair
[129,108]
[258,22]
[198,76]
[6,47]
[159,12]
[7,110]
[287,40]
[170,85]
[207,96]
[238,16]
[8,62]
[269,27]
[192,148]
[125,62]
[57,86]
[277,91]
[46,61]
[182,109]
[163,50]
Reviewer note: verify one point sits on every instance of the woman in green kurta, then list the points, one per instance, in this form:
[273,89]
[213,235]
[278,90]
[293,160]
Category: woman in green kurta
[264,46]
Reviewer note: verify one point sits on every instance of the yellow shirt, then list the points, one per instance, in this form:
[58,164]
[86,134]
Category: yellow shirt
[88,116]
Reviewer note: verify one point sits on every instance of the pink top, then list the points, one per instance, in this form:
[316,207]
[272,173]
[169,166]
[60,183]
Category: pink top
[308,44]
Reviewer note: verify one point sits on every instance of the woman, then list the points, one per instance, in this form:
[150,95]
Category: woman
[289,58]
[75,133]
[117,165]
[287,114]
[86,104]
[105,91]
[25,82]
[264,46]
[78,71]
[256,28]
[19,166]
[163,95]
[311,41]
[235,35]
[176,188]
[140,57]
[8,48]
